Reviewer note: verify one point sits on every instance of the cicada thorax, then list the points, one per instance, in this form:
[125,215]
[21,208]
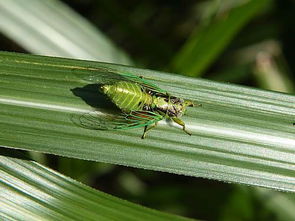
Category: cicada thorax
[170,106]
[127,96]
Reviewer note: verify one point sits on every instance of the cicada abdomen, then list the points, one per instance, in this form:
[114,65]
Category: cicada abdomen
[127,96]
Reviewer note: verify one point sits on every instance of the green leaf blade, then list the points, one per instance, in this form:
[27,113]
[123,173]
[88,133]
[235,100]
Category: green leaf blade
[207,42]
[240,134]
[44,194]
[58,36]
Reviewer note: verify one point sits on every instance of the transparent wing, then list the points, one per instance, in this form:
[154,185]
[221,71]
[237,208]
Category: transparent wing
[108,76]
[97,121]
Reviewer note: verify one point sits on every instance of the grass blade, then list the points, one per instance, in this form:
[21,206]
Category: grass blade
[58,36]
[30,191]
[240,134]
[207,42]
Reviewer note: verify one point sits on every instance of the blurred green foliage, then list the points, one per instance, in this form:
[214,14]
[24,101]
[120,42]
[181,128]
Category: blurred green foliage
[258,52]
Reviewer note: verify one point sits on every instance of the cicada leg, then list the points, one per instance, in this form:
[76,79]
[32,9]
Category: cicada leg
[181,123]
[147,128]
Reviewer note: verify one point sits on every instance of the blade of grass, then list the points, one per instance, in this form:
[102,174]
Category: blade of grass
[240,135]
[30,191]
[270,73]
[207,42]
[52,28]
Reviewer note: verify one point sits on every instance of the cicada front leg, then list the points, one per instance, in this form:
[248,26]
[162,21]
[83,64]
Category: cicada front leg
[181,123]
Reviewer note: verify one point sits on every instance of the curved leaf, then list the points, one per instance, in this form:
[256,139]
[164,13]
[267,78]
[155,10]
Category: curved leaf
[30,191]
[52,28]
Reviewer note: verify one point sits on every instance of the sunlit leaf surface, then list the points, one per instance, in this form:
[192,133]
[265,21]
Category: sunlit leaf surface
[240,134]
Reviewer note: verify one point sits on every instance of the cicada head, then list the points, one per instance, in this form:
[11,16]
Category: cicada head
[188,103]
[179,106]
[184,105]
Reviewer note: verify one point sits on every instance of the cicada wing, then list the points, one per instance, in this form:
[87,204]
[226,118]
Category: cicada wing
[143,82]
[109,76]
[104,76]
[97,121]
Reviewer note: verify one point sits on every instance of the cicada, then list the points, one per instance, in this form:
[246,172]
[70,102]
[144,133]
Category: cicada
[141,103]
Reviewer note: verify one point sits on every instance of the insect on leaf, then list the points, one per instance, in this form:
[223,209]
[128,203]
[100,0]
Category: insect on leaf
[141,102]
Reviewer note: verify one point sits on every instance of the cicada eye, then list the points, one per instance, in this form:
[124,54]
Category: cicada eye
[189,103]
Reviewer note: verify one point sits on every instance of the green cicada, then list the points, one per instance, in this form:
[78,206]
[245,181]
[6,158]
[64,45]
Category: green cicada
[141,103]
